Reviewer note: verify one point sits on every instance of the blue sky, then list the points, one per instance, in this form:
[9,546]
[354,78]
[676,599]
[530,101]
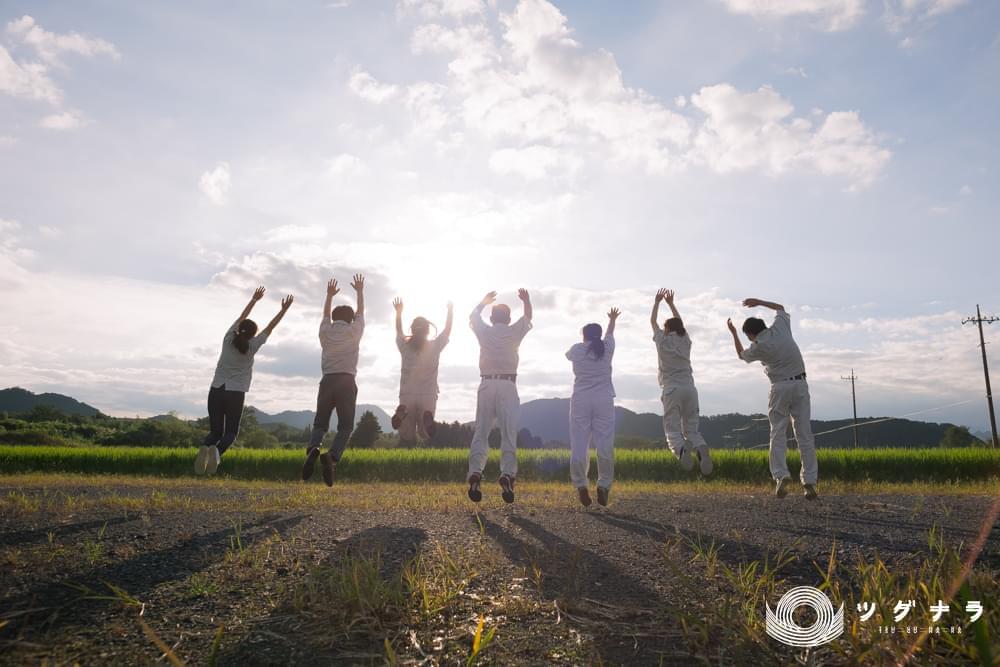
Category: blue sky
[158,160]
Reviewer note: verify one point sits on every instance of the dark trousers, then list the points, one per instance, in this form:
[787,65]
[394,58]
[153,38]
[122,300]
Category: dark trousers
[225,409]
[336,390]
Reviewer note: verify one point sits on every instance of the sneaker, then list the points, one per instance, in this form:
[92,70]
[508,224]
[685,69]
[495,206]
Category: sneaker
[310,465]
[429,426]
[687,462]
[584,496]
[507,488]
[201,461]
[475,494]
[398,417]
[810,491]
[214,458]
[781,490]
[326,464]
[704,460]
[602,496]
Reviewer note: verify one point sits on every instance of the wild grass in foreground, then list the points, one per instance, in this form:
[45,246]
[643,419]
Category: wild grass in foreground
[392,465]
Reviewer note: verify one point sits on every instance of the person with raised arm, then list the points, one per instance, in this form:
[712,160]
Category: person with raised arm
[592,409]
[418,375]
[233,374]
[679,394]
[497,399]
[340,338]
[775,348]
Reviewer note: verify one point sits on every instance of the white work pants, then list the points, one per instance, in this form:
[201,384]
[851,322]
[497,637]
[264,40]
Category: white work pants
[498,403]
[790,399]
[592,421]
[680,417]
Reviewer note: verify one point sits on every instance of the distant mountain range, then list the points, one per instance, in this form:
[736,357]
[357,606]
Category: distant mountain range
[16,399]
[548,419]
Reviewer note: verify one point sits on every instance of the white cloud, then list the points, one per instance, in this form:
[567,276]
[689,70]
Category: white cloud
[797,71]
[345,164]
[294,233]
[27,80]
[367,87]
[436,8]
[339,4]
[67,120]
[7,140]
[49,232]
[758,130]
[533,162]
[828,14]
[216,184]
[50,46]
[965,190]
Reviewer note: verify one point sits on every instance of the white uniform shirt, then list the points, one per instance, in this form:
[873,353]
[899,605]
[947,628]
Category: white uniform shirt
[590,374]
[340,342]
[235,369]
[419,365]
[498,343]
[674,352]
[777,350]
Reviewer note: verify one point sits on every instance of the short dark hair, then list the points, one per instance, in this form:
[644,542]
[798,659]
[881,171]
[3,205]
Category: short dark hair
[676,325]
[343,313]
[753,326]
[500,314]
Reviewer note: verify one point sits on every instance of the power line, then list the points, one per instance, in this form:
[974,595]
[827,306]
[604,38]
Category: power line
[854,403]
[979,320]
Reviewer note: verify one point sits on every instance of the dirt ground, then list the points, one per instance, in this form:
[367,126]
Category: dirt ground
[106,574]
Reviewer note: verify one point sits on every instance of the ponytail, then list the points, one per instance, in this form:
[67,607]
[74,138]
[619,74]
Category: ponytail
[592,335]
[676,325]
[246,330]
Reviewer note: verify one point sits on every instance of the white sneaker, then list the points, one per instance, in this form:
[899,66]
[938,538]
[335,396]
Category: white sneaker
[201,461]
[213,460]
[704,460]
[687,462]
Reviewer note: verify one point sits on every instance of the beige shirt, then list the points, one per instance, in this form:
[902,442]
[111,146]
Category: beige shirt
[418,371]
[340,342]
[235,369]
[591,374]
[777,350]
[498,343]
[674,354]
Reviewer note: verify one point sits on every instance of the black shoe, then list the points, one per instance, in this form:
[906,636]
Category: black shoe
[507,488]
[398,417]
[310,465]
[584,496]
[810,491]
[602,496]
[475,494]
[781,488]
[326,464]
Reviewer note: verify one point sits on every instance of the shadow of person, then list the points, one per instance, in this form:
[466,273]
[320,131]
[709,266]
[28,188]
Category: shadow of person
[623,617]
[339,610]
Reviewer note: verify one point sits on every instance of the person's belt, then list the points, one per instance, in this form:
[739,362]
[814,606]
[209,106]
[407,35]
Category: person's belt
[800,376]
[500,376]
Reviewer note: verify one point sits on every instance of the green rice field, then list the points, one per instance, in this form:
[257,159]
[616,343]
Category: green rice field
[395,465]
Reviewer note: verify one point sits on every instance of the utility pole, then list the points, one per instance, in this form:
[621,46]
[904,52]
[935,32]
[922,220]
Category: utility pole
[854,404]
[979,319]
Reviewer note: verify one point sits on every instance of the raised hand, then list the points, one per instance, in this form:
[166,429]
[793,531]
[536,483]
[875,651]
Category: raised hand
[613,314]
[522,294]
[489,298]
[668,296]
[331,288]
[286,303]
[661,294]
[732,327]
[397,304]
[258,293]
[751,303]
[359,282]
[451,306]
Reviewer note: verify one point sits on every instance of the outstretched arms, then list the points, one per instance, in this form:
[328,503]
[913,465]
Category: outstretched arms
[525,298]
[286,303]
[359,287]
[476,317]
[258,294]
[397,305]
[736,338]
[661,294]
[446,333]
[753,303]
[331,291]
[612,318]
[669,298]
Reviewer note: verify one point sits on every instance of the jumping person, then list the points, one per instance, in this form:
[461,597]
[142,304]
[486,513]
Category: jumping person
[680,396]
[775,348]
[418,385]
[232,378]
[592,409]
[340,337]
[497,399]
